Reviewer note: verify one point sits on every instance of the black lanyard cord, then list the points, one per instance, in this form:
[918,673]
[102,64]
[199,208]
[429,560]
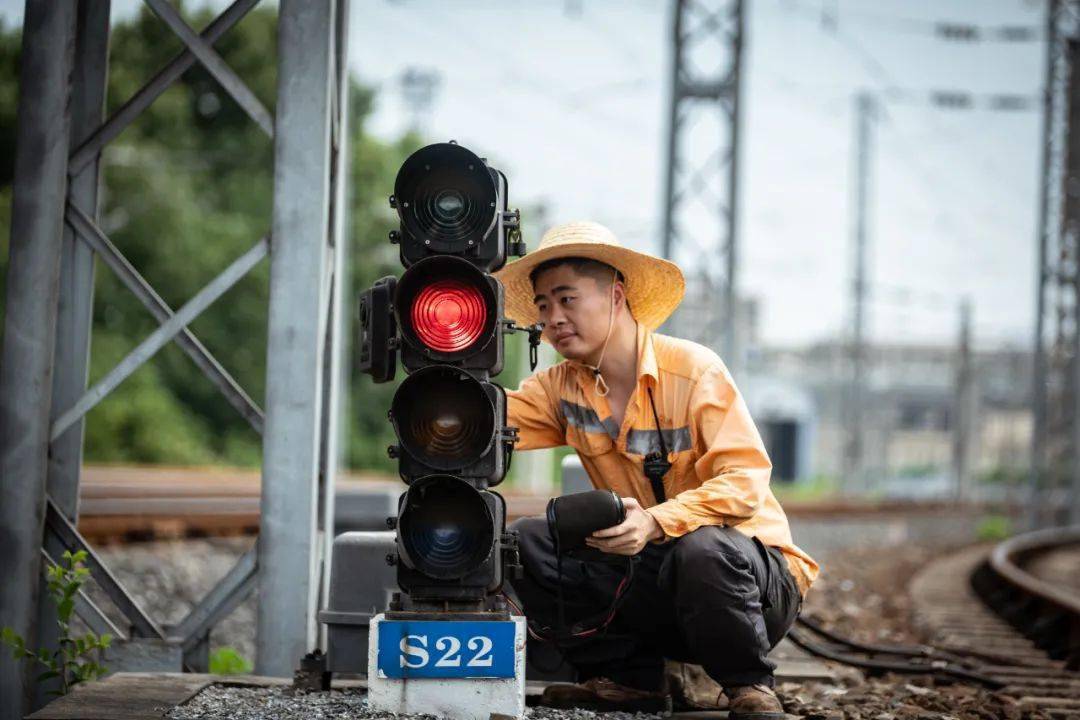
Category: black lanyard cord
[656,465]
[656,419]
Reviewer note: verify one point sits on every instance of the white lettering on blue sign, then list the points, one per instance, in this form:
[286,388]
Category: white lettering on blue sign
[417,651]
[445,649]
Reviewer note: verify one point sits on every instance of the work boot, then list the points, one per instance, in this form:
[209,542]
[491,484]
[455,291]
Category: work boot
[691,688]
[753,702]
[603,695]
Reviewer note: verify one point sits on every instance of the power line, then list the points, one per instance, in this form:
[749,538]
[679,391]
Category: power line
[524,80]
[945,30]
[886,82]
[942,98]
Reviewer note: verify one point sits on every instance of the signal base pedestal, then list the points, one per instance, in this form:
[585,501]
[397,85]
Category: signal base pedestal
[465,698]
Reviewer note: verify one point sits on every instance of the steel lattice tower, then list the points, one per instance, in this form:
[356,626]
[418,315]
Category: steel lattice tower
[56,237]
[701,186]
[1056,388]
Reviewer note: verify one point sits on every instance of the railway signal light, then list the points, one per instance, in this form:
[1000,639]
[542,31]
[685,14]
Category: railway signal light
[444,319]
[450,311]
[451,202]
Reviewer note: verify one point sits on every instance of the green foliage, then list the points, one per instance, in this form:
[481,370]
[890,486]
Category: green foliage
[918,471]
[75,659]
[228,661]
[993,528]
[186,189]
[1004,475]
[818,487]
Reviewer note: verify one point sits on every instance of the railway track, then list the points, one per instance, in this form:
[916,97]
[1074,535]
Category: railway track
[124,503]
[984,607]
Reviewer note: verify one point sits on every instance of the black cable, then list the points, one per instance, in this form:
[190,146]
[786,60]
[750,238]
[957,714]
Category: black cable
[561,632]
[937,667]
[926,651]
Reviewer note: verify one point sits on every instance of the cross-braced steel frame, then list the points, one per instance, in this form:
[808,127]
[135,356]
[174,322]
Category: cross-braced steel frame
[701,183]
[1055,449]
[55,240]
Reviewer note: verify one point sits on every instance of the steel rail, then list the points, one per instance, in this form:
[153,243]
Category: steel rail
[1044,612]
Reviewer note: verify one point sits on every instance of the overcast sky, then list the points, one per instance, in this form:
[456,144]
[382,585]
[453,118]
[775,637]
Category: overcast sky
[570,99]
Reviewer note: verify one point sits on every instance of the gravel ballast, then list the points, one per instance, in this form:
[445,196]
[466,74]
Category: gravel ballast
[861,593]
[220,702]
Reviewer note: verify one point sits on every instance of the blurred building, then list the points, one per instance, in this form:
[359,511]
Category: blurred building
[796,396]
[908,420]
[786,415]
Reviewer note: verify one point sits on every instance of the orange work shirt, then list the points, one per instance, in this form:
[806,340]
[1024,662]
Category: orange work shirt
[720,469]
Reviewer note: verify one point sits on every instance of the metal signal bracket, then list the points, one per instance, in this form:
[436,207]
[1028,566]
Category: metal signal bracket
[534,344]
[534,332]
[512,222]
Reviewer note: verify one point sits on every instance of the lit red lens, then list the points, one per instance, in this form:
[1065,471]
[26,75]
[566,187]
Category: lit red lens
[448,315]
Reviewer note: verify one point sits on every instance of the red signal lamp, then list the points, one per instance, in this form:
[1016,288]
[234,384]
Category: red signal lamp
[448,316]
[449,310]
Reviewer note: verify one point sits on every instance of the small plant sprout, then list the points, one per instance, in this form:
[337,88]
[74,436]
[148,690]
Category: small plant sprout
[76,658]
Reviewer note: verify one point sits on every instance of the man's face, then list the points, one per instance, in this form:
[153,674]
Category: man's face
[574,309]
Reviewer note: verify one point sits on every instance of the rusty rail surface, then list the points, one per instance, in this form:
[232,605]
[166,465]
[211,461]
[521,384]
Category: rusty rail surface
[130,502]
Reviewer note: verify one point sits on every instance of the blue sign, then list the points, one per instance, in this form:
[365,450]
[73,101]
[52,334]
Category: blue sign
[446,649]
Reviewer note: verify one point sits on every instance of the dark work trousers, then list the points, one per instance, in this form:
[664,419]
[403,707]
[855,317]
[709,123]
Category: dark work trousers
[713,597]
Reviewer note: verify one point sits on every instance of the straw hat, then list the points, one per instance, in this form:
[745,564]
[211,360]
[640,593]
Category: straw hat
[654,286]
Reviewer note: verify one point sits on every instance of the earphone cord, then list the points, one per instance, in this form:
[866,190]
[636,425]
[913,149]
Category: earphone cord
[611,322]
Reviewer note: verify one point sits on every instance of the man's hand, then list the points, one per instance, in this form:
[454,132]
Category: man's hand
[629,536]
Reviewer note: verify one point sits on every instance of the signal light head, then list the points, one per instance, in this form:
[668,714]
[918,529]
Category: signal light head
[446,197]
[446,307]
[443,417]
[448,315]
[445,529]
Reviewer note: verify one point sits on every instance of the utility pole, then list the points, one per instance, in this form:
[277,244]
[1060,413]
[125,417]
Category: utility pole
[963,406]
[865,108]
[418,89]
[709,99]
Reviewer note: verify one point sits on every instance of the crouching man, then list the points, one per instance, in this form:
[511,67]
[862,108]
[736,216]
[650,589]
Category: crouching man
[717,580]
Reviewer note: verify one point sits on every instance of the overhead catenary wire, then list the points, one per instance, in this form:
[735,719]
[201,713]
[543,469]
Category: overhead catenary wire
[960,31]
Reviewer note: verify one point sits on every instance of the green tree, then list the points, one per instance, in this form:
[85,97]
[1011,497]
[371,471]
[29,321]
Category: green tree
[185,189]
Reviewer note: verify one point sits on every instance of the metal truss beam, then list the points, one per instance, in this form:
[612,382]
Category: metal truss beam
[85,608]
[214,65]
[38,191]
[162,81]
[165,332]
[216,605]
[99,242]
[76,292]
[1055,440]
[299,309]
[55,209]
[62,535]
[702,194]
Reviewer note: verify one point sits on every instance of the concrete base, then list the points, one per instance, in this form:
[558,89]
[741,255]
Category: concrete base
[462,699]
